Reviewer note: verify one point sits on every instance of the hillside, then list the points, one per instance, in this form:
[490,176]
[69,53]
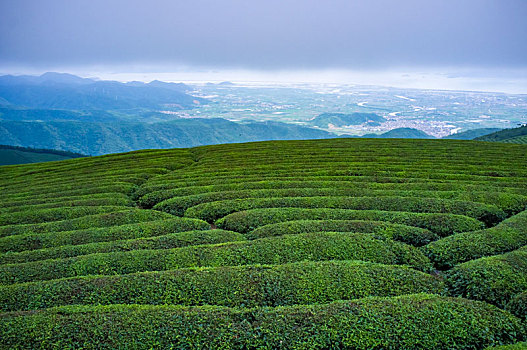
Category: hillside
[340,243]
[112,137]
[471,134]
[505,135]
[10,155]
[401,133]
[340,119]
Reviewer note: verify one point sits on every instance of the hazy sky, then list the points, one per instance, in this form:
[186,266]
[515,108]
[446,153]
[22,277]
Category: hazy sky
[439,37]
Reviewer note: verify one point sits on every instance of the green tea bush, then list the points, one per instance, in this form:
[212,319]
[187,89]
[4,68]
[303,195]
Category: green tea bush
[517,346]
[439,223]
[494,279]
[508,235]
[511,203]
[158,192]
[246,286]
[59,201]
[212,211]
[275,250]
[518,305]
[99,220]
[18,243]
[28,198]
[172,240]
[54,214]
[418,321]
[411,235]
[119,200]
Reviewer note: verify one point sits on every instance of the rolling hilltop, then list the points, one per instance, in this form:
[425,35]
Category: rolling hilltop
[341,243]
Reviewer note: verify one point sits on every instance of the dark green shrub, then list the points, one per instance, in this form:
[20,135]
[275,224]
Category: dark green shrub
[275,250]
[246,286]
[508,235]
[441,224]
[411,235]
[494,279]
[418,321]
[167,241]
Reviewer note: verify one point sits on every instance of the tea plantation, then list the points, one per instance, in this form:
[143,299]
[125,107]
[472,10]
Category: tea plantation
[326,244]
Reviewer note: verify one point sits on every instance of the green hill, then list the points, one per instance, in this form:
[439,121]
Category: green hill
[401,133]
[471,134]
[319,244]
[10,155]
[505,135]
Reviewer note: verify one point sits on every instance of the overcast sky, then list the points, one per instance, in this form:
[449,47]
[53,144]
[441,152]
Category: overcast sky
[442,36]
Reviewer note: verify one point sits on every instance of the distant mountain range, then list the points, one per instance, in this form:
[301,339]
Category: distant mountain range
[66,112]
[66,91]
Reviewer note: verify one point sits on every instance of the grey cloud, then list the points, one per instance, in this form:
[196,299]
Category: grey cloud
[266,34]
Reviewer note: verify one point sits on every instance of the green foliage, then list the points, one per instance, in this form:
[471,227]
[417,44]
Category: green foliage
[518,305]
[274,250]
[212,211]
[441,224]
[494,279]
[243,286]
[508,235]
[411,235]
[167,241]
[419,321]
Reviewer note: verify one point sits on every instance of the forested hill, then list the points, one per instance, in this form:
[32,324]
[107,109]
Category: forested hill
[319,244]
[10,155]
[515,135]
[95,138]
[471,134]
